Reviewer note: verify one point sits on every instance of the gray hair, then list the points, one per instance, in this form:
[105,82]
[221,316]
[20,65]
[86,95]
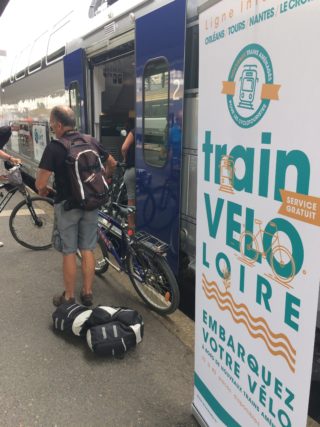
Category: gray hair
[64,115]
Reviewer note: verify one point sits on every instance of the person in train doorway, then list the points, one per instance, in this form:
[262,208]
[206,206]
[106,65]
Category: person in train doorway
[5,134]
[128,154]
[74,228]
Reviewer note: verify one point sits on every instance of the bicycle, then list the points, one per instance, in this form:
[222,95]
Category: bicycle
[117,189]
[139,255]
[279,257]
[31,220]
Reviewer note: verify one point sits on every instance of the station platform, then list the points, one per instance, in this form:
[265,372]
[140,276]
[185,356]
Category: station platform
[52,380]
[48,379]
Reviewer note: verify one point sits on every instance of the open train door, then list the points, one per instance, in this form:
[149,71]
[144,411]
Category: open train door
[74,79]
[160,49]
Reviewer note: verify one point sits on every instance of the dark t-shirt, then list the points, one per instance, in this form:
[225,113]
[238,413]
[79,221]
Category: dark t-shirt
[131,153]
[54,160]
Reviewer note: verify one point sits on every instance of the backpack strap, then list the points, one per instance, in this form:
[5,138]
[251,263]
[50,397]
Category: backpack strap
[68,140]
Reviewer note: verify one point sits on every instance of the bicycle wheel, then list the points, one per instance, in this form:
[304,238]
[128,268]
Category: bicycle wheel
[153,280]
[31,223]
[101,257]
[282,264]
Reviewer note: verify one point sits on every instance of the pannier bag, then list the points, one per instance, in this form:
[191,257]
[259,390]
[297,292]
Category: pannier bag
[113,331]
[71,318]
[89,187]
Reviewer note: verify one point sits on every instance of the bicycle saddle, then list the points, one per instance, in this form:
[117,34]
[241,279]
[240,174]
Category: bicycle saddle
[124,209]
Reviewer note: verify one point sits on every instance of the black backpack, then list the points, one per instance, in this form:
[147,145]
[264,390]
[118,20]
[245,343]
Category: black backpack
[88,184]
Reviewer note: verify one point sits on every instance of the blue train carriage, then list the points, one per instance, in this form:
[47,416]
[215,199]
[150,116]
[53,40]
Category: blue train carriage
[133,60]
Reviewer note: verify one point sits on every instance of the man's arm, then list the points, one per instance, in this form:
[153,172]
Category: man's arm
[42,180]
[127,143]
[110,165]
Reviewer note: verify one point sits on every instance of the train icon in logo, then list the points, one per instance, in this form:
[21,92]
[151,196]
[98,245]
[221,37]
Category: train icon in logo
[249,79]
[250,86]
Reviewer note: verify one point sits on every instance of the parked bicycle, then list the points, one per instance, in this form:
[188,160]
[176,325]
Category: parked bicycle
[141,256]
[31,220]
[117,189]
[279,257]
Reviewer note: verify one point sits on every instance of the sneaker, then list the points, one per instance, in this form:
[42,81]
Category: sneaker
[86,299]
[60,299]
[1,244]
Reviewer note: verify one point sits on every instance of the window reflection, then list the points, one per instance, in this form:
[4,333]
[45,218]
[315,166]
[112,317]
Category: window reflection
[74,99]
[155,117]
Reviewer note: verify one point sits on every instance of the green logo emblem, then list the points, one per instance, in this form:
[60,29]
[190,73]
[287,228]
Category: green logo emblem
[250,86]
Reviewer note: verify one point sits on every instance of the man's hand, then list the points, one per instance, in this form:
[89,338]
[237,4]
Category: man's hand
[44,192]
[15,160]
[42,181]
[110,165]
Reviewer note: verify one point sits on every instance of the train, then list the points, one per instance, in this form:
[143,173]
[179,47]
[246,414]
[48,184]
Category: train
[112,61]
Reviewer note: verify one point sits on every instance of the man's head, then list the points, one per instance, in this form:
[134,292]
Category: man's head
[5,133]
[62,119]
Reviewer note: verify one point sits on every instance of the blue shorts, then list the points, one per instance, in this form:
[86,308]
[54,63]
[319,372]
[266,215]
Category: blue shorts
[74,229]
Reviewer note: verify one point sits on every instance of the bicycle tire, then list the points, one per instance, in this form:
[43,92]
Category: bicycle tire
[154,281]
[276,265]
[33,233]
[101,257]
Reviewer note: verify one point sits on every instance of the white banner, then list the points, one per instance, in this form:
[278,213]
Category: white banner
[258,211]
[39,136]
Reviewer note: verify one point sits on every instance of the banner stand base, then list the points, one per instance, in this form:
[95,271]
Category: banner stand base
[198,416]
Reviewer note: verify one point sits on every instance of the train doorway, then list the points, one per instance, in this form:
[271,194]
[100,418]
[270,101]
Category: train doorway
[113,98]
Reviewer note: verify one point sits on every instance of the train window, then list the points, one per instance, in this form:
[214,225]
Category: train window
[75,102]
[192,58]
[56,48]
[21,63]
[37,52]
[155,112]
[13,68]
[97,6]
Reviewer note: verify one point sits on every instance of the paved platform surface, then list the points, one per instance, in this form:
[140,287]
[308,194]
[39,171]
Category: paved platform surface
[49,380]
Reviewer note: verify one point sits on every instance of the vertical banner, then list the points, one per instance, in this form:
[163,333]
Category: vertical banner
[39,136]
[258,212]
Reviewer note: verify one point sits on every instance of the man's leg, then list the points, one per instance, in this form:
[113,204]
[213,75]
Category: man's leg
[69,275]
[131,217]
[65,237]
[87,241]
[130,183]
[87,267]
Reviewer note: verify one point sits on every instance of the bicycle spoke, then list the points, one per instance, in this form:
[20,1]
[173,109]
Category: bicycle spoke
[154,281]
[32,226]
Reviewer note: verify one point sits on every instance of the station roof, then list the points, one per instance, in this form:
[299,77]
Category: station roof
[3,4]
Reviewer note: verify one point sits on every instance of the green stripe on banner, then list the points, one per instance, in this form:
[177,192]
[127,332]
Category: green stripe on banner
[224,416]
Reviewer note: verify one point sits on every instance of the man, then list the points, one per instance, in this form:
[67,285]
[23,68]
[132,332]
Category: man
[128,154]
[5,133]
[74,228]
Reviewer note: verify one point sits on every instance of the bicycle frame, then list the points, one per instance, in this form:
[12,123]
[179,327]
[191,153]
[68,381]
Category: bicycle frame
[126,243]
[105,224]
[274,243]
[10,193]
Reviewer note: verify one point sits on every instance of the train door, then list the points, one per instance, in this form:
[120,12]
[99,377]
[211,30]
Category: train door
[160,49]
[113,96]
[74,78]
